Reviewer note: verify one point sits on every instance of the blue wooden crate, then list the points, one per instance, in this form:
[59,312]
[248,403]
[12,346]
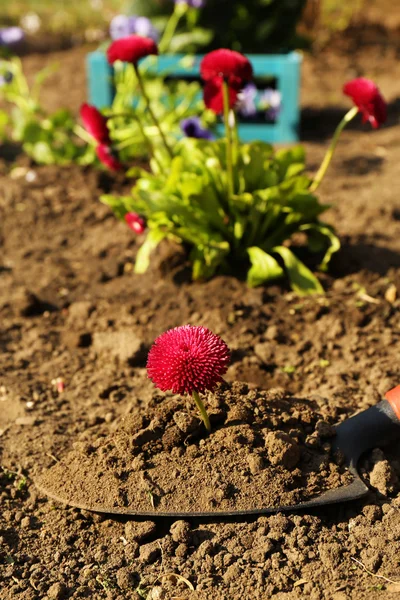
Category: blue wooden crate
[283,69]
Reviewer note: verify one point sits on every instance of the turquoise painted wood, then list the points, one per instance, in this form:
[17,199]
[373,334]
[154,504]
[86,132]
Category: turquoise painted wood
[283,69]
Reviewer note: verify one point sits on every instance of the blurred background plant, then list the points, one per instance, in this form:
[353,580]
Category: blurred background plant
[88,18]
[254,25]
[48,139]
[57,138]
[324,19]
[173,101]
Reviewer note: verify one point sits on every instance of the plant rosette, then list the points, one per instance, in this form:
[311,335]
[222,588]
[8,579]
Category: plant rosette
[235,207]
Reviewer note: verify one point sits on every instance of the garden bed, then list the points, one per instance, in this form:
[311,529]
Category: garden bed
[74,316]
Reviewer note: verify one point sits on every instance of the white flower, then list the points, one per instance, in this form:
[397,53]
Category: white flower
[31,22]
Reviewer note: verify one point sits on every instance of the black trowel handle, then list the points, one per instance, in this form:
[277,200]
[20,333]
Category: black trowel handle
[372,428]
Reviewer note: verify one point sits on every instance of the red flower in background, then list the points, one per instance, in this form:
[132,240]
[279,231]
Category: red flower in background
[219,66]
[367,97]
[214,96]
[95,123]
[106,155]
[232,66]
[135,222]
[131,49]
[187,359]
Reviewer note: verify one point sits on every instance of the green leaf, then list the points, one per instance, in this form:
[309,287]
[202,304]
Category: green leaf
[196,38]
[151,242]
[306,204]
[135,172]
[303,282]
[117,204]
[264,267]
[290,161]
[41,152]
[4,119]
[257,167]
[318,236]
[62,118]
[206,259]
[33,132]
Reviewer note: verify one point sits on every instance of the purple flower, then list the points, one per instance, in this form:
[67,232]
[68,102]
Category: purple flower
[192,3]
[270,101]
[246,104]
[11,35]
[122,26]
[192,128]
[143,26]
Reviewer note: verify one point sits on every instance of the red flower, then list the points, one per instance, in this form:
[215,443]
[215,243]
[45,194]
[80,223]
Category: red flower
[131,49]
[106,155]
[135,222]
[232,66]
[219,66]
[367,97]
[95,123]
[214,97]
[187,359]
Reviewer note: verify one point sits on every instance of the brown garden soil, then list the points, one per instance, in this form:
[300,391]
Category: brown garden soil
[76,325]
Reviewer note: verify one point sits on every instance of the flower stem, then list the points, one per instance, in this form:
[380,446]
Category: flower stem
[229,149]
[172,24]
[120,115]
[235,137]
[149,143]
[83,134]
[151,112]
[203,412]
[328,156]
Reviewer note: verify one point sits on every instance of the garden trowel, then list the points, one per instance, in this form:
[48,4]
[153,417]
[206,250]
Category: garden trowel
[372,428]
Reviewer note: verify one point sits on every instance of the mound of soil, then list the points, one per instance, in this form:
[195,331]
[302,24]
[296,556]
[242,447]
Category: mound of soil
[264,451]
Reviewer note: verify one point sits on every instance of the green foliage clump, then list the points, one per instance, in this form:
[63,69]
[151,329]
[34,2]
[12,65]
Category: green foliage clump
[187,199]
[48,139]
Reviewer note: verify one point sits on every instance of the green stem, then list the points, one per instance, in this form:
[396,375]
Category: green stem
[149,144]
[235,137]
[129,115]
[171,26]
[151,112]
[129,141]
[203,412]
[83,134]
[229,153]
[328,156]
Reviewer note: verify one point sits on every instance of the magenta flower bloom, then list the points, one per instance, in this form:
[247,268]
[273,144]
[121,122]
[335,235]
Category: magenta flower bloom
[135,222]
[108,157]
[187,359]
[367,97]
[214,97]
[131,49]
[95,123]
[232,66]
[219,66]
